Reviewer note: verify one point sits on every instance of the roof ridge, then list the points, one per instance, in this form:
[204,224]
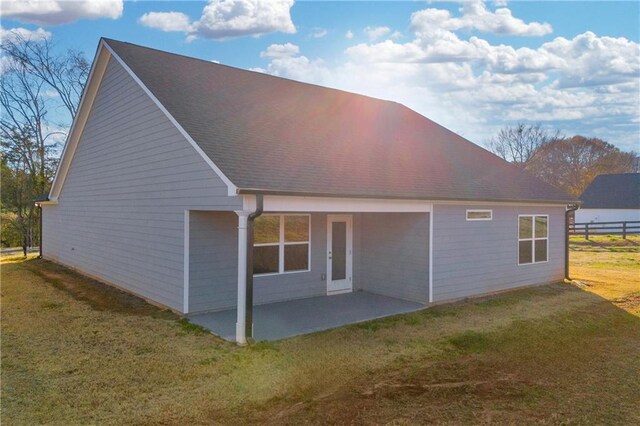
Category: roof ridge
[264,74]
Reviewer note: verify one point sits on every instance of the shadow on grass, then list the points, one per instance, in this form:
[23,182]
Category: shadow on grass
[606,243]
[97,295]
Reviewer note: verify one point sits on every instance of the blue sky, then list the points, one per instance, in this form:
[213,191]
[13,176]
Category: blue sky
[473,67]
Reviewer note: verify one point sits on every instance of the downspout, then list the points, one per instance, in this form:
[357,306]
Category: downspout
[249,300]
[41,233]
[570,209]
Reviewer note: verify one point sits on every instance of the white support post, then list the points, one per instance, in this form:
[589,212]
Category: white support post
[433,208]
[241,337]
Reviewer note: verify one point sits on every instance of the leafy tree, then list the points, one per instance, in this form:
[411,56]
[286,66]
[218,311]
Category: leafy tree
[518,144]
[572,164]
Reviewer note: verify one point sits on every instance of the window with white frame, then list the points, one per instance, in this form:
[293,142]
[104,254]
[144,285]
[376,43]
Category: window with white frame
[281,243]
[479,214]
[533,239]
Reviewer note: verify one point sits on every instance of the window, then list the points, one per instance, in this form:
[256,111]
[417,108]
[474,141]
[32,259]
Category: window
[479,214]
[281,244]
[533,239]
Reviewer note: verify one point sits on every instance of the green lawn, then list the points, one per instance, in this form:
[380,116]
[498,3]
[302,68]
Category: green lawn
[77,352]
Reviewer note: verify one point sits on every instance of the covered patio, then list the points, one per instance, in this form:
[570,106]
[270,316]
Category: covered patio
[279,320]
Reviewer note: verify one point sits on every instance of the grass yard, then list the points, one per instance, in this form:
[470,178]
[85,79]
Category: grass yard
[77,352]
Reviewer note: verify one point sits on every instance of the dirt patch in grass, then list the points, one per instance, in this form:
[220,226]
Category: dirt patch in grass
[75,351]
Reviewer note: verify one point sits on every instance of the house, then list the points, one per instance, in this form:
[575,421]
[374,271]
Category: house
[611,198]
[206,188]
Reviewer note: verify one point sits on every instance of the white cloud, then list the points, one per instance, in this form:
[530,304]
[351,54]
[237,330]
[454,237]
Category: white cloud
[223,19]
[55,12]
[476,16]
[18,34]
[584,85]
[319,32]
[375,33]
[280,51]
[349,35]
[166,21]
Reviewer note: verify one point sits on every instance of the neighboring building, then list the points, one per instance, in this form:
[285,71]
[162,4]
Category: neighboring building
[169,155]
[611,198]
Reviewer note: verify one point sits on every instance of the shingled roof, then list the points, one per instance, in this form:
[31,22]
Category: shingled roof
[274,135]
[620,191]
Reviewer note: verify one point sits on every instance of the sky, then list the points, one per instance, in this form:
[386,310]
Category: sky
[473,67]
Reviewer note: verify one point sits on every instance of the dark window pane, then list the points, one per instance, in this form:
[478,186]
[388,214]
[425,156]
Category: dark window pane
[526,229]
[524,252]
[338,250]
[541,227]
[296,228]
[296,257]
[266,229]
[265,259]
[541,250]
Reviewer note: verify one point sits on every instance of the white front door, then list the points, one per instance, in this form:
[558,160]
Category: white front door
[339,253]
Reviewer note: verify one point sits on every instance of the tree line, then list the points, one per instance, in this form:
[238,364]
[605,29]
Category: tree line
[568,163]
[41,86]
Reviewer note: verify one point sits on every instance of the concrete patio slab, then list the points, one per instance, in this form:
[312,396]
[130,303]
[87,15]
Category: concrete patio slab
[279,320]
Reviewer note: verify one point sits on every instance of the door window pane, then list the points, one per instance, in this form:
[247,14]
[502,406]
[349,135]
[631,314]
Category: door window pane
[541,227]
[296,228]
[524,253]
[265,259]
[296,257]
[338,250]
[266,229]
[541,250]
[526,228]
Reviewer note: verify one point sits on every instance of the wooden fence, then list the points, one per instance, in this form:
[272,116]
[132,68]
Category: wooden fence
[605,228]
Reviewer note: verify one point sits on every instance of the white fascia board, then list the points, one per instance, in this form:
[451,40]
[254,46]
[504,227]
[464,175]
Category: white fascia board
[281,203]
[77,126]
[231,188]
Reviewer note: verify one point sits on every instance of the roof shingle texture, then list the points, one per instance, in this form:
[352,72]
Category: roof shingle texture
[620,191]
[274,134]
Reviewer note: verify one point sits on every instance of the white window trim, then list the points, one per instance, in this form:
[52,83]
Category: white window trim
[281,244]
[479,211]
[533,239]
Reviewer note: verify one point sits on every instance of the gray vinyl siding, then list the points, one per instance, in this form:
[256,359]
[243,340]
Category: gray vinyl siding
[394,256]
[120,216]
[213,260]
[477,257]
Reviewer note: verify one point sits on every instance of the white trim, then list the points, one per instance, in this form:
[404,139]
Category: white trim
[285,203]
[281,203]
[348,219]
[533,238]
[231,188]
[282,244]
[185,302]
[476,219]
[80,120]
[431,255]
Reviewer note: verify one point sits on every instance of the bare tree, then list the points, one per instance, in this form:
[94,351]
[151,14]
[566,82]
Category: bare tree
[64,73]
[36,84]
[572,164]
[518,144]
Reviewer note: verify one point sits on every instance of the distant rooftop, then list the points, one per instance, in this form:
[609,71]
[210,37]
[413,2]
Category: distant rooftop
[620,191]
